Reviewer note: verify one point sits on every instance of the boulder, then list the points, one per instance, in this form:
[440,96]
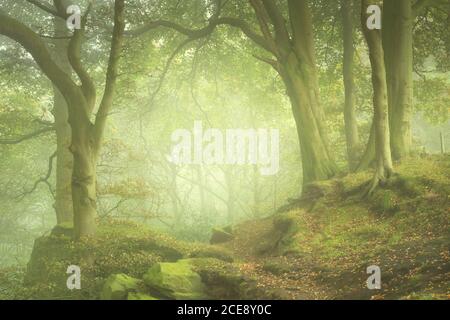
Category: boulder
[118,287]
[176,280]
[220,236]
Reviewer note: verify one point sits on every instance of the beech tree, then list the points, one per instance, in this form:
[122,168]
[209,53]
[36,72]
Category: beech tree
[383,159]
[81,101]
[288,41]
[398,19]
[351,128]
[64,159]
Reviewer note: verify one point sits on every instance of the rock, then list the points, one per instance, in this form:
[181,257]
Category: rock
[63,229]
[176,280]
[216,252]
[220,236]
[118,287]
[140,296]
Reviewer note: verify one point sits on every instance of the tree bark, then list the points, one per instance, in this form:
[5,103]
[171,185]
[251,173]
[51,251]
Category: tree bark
[398,51]
[83,179]
[316,161]
[384,168]
[63,197]
[299,72]
[351,128]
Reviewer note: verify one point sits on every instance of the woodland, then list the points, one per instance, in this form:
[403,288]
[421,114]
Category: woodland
[224,149]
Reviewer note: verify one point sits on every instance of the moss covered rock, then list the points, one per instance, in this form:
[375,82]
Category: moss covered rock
[119,247]
[118,287]
[211,251]
[220,236]
[175,280]
[140,296]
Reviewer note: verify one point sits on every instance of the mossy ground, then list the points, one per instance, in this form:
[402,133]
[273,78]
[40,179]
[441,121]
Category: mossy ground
[404,228]
[313,249]
[120,247]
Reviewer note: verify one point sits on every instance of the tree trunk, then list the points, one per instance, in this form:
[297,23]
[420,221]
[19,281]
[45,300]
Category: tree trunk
[398,52]
[351,128]
[230,181]
[368,157]
[301,83]
[83,179]
[298,68]
[63,198]
[384,167]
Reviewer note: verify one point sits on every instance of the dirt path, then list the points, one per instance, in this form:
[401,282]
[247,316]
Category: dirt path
[296,281]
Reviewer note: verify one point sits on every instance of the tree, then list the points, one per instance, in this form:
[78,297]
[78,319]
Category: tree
[290,42]
[384,168]
[86,135]
[397,40]
[351,128]
[64,160]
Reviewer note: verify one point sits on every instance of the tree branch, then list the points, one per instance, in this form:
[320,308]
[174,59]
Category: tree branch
[74,55]
[34,45]
[27,136]
[203,32]
[43,179]
[281,33]
[111,74]
[263,18]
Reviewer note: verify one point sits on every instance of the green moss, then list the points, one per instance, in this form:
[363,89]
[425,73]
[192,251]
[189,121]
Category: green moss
[120,247]
[175,280]
[118,286]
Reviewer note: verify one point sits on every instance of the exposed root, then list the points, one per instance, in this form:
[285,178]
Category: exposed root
[380,178]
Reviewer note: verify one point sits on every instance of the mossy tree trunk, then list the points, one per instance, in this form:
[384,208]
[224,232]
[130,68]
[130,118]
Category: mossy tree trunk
[383,168]
[398,51]
[296,63]
[351,128]
[86,136]
[64,159]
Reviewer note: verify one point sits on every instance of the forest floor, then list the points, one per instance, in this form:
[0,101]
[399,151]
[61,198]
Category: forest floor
[317,247]
[320,248]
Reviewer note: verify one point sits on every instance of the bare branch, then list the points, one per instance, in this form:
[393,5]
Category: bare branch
[27,136]
[43,179]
